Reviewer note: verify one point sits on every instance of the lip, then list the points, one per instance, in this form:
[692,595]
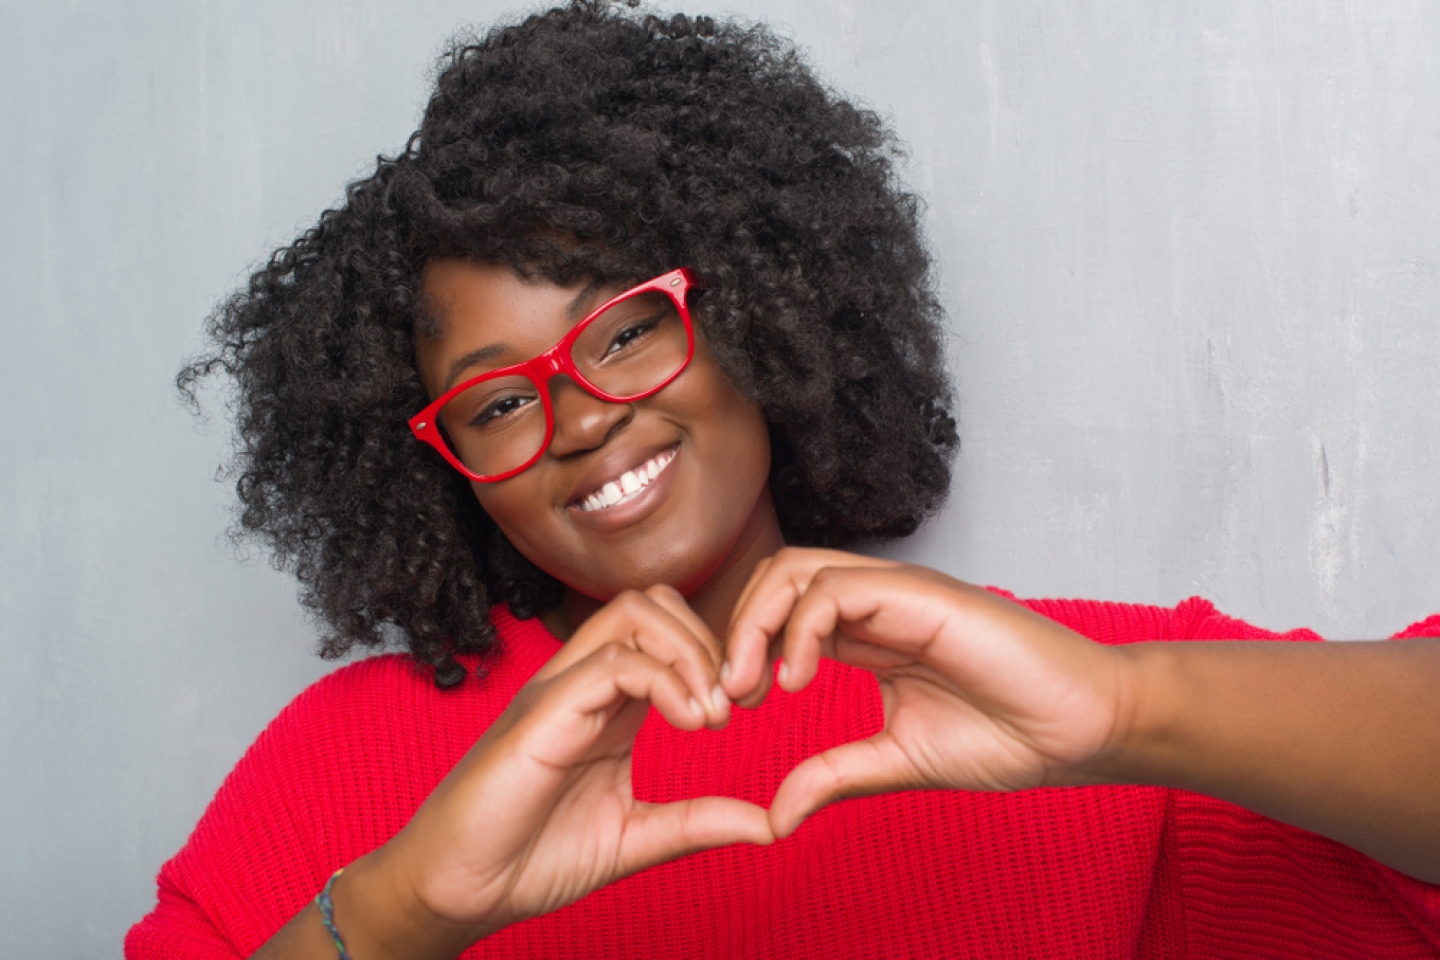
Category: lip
[637,507]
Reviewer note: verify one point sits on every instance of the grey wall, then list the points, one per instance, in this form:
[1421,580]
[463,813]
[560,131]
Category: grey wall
[1192,254]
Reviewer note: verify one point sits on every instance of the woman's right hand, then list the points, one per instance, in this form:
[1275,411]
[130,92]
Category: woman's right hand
[979,693]
[540,811]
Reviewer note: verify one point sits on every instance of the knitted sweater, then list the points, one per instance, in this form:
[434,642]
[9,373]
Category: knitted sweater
[1099,872]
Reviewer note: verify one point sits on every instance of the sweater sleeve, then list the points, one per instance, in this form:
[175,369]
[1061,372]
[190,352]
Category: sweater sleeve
[1217,839]
[333,777]
[1417,900]
[250,863]
[337,774]
[254,859]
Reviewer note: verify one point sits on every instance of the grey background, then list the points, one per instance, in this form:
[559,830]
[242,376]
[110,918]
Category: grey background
[1191,253]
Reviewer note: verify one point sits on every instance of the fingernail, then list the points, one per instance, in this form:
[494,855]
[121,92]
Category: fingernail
[784,673]
[725,671]
[695,706]
[717,697]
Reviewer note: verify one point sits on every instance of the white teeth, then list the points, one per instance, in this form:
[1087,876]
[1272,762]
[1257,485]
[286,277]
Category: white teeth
[628,484]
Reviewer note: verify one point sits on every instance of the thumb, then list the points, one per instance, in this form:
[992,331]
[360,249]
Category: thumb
[858,769]
[662,832]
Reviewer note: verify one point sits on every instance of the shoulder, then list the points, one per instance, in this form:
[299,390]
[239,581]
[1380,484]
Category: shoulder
[396,687]
[1194,618]
[377,727]
[336,774]
[1110,622]
[379,721]
[1429,627]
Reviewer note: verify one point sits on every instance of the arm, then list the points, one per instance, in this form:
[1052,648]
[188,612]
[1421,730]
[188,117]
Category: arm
[540,811]
[1341,739]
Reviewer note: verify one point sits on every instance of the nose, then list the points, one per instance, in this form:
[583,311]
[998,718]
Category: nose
[582,420]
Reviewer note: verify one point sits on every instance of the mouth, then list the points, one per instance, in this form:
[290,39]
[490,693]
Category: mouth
[628,485]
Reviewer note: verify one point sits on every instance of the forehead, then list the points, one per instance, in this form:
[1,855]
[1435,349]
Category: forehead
[478,300]
[485,315]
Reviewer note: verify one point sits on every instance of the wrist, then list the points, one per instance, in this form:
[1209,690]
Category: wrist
[379,914]
[1147,691]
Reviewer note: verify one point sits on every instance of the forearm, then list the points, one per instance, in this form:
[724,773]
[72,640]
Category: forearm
[1342,739]
[375,916]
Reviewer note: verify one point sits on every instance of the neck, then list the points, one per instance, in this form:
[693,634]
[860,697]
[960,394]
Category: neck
[714,599]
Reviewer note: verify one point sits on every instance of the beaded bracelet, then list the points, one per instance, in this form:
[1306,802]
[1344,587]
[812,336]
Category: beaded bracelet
[327,913]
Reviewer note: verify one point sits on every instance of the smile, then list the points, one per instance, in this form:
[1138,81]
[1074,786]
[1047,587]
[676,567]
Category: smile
[628,485]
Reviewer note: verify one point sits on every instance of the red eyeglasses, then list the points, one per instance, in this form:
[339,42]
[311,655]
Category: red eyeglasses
[493,426]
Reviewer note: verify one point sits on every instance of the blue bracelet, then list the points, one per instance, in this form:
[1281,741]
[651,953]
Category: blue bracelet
[327,914]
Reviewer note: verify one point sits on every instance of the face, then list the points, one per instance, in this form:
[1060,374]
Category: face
[703,516]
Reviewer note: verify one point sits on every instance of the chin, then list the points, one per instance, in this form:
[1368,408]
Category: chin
[686,579]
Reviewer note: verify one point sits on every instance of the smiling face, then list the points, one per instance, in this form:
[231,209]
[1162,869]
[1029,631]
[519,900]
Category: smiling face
[669,489]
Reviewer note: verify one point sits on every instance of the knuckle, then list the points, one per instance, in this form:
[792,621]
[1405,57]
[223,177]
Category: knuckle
[788,555]
[630,606]
[610,653]
[628,600]
[661,592]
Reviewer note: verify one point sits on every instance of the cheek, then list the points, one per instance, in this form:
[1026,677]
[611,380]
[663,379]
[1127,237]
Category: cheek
[512,507]
[753,443]
[520,509]
[734,449]
[739,421]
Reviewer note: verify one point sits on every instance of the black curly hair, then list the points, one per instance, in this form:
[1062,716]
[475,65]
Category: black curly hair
[594,142]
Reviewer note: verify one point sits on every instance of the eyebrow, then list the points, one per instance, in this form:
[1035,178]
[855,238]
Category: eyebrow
[462,363]
[574,313]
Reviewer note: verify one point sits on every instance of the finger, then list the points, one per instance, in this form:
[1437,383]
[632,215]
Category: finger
[756,575]
[760,615]
[760,691]
[810,631]
[670,600]
[636,620]
[662,832]
[855,769]
[670,632]
[857,615]
[765,605]
[575,710]
[525,769]
[747,641]
[992,648]
[555,724]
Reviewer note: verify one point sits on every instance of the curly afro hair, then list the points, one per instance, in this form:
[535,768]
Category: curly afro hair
[588,142]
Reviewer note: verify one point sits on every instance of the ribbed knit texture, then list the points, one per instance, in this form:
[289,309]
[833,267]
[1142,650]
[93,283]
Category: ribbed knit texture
[1101,872]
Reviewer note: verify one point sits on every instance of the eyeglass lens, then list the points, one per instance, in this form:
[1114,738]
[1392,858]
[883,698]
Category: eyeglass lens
[626,351]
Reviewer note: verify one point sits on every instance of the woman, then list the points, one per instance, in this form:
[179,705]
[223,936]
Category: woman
[639,305]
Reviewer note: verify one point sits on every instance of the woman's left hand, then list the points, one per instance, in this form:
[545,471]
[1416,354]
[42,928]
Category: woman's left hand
[1339,739]
[979,693]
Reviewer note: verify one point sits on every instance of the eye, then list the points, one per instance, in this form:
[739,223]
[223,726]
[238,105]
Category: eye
[629,330]
[632,333]
[498,408]
[491,405]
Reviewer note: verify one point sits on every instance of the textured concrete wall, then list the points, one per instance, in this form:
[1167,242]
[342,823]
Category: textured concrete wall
[1191,256]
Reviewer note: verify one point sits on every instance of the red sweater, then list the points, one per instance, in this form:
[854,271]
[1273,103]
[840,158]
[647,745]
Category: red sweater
[1098,872]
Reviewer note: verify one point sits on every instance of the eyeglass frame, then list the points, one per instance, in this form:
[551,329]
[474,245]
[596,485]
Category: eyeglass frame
[539,370]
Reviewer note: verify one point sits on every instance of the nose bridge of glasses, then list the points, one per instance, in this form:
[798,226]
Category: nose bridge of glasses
[548,364]
[571,388]
[557,362]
